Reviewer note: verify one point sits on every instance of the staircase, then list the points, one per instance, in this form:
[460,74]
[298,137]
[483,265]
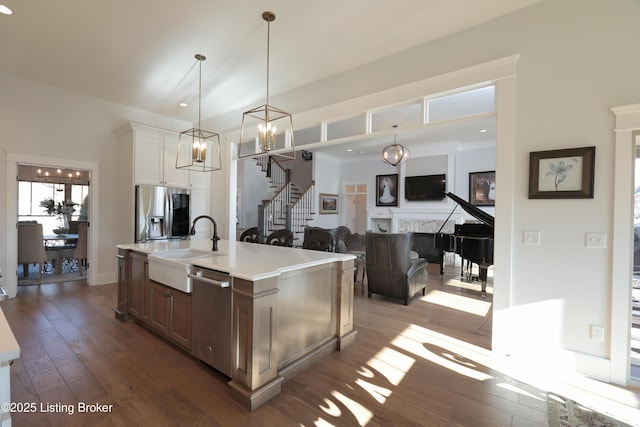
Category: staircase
[290,207]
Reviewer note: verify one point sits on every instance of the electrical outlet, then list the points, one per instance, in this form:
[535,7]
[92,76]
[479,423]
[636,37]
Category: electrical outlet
[531,238]
[595,240]
[597,333]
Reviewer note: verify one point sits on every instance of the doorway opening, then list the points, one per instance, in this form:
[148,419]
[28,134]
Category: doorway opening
[53,220]
[635,286]
[355,207]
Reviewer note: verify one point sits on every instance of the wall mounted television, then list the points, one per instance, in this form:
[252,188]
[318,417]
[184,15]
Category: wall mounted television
[425,187]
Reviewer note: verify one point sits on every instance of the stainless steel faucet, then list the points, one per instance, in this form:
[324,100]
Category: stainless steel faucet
[215,237]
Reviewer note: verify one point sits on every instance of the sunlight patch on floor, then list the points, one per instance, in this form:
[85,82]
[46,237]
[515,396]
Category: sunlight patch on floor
[445,351]
[331,408]
[447,360]
[519,390]
[458,302]
[362,414]
[392,364]
[322,423]
[380,394]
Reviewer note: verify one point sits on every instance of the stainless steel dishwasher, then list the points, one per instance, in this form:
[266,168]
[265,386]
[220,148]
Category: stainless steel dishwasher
[211,318]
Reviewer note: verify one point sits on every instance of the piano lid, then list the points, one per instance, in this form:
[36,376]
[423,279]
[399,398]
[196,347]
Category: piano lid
[478,214]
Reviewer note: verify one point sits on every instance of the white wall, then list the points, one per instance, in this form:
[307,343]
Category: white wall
[326,174]
[255,188]
[47,122]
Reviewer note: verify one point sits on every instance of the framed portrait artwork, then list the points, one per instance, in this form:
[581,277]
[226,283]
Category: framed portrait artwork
[562,174]
[387,190]
[482,188]
[328,203]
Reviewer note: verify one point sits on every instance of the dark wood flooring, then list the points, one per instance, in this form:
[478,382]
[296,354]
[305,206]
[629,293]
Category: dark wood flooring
[410,365]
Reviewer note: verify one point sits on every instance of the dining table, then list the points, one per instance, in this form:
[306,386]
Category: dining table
[64,241]
[57,243]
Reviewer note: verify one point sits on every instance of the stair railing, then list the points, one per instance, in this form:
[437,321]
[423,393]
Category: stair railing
[302,210]
[274,216]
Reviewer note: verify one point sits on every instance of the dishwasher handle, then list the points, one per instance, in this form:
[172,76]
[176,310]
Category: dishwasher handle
[209,281]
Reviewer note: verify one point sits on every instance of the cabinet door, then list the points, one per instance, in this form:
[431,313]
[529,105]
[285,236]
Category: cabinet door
[199,202]
[123,288]
[200,180]
[180,318]
[159,307]
[173,177]
[148,158]
[138,285]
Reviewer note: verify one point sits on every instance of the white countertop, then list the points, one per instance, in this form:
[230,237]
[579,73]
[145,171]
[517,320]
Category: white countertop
[9,348]
[250,261]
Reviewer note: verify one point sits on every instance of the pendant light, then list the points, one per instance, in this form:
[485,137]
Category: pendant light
[199,150]
[395,153]
[266,130]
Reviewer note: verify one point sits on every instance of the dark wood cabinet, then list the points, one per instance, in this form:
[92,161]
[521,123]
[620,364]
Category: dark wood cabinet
[158,312]
[138,285]
[170,313]
[122,310]
[180,318]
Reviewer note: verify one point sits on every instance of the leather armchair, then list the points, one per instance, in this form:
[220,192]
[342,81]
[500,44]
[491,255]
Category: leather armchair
[390,270]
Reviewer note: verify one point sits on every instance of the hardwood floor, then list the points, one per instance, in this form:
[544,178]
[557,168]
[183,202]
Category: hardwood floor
[410,365]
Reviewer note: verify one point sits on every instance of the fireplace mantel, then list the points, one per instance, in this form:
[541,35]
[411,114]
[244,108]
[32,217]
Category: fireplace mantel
[423,221]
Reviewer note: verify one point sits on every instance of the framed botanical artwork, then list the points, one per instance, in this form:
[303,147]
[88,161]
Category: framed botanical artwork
[387,190]
[328,203]
[482,188]
[562,174]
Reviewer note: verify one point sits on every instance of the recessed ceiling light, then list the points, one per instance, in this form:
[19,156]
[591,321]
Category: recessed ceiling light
[5,10]
[183,104]
[483,130]
[349,150]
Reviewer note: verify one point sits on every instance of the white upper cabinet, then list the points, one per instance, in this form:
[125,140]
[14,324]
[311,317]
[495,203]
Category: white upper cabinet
[148,159]
[201,180]
[173,177]
[155,160]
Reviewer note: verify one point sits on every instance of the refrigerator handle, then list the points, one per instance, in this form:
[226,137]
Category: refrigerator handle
[168,212]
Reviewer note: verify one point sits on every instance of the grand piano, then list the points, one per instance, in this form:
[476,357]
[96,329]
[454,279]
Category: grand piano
[472,241]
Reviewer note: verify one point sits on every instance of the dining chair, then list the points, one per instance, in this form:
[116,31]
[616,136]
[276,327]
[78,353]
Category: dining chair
[250,235]
[282,237]
[76,256]
[31,248]
[320,240]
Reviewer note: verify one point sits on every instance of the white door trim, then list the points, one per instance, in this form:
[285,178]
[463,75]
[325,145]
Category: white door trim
[13,159]
[627,126]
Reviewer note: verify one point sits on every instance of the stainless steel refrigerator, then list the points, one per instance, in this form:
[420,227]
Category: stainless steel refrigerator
[161,213]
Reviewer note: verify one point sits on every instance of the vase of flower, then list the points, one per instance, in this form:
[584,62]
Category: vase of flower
[62,210]
[62,224]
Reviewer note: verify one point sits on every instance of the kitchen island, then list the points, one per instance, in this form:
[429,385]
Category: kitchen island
[288,307]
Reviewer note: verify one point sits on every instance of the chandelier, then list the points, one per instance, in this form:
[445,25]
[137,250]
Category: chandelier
[394,153]
[57,179]
[266,129]
[199,150]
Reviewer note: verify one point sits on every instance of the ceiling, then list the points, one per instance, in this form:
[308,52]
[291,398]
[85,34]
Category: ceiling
[141,53]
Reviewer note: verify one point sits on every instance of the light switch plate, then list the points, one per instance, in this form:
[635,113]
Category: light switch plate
[531,238]
[595,240]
